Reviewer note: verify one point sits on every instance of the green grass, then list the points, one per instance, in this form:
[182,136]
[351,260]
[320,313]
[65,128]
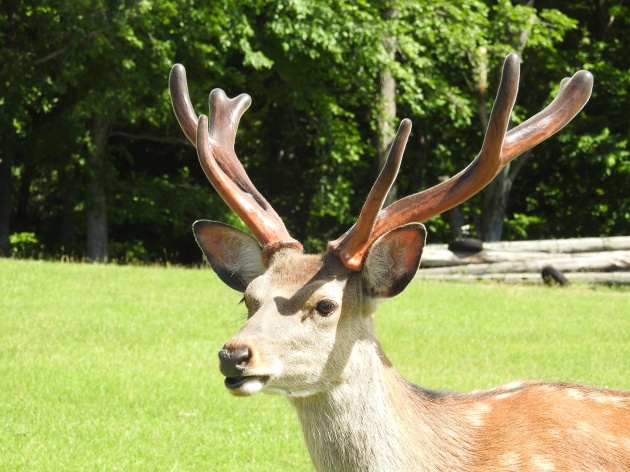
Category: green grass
[106,368]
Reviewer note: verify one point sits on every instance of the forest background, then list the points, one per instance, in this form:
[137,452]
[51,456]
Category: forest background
[94,166]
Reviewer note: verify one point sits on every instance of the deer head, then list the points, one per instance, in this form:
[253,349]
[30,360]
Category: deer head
[297,302]
[309,333]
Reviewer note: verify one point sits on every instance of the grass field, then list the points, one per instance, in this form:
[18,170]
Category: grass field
[110,368]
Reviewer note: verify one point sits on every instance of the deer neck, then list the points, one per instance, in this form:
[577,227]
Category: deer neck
[374,420]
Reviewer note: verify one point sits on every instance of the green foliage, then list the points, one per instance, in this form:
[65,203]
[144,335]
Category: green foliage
[24,244]
[308,141]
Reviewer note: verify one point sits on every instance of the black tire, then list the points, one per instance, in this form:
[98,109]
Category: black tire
[466,245]
[552,276]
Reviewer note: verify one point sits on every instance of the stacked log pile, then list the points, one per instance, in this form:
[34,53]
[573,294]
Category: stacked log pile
[593,260]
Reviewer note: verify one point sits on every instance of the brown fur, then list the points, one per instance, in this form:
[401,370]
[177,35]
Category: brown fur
[561,425]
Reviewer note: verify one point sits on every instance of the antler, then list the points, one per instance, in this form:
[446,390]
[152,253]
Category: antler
[498,149]
[215,149]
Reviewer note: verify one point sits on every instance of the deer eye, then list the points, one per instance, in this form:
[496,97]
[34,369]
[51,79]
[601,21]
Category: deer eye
[251,304]
[325,307]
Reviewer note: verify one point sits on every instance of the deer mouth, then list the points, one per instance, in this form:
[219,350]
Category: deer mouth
[247,385]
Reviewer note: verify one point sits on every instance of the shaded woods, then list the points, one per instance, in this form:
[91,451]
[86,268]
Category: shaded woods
[93,164]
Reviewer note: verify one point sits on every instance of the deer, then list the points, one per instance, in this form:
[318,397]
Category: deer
[310,336]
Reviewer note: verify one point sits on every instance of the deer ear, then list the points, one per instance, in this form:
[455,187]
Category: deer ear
[393,260]
[235,256]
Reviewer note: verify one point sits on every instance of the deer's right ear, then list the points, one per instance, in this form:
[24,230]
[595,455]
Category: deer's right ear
[393,260]
[235,256]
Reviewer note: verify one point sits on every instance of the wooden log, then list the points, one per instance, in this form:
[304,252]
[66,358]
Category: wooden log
[614,243]
[432,257]
[587,262]
[523,277]
[444,258]
[610,278]
[607,278]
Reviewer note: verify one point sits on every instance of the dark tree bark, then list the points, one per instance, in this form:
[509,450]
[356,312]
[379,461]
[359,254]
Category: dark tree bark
[495,199]
[5,199]
[496,194]
[601,20]
[385,131]
[68,223]
[455,216]
[9,35]
[96,199]
[23,195]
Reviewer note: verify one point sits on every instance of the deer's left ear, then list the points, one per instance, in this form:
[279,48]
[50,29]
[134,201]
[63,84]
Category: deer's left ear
[234,255]
[393,260]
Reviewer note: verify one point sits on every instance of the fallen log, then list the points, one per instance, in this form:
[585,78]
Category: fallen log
[606,278]
[432,257]
[613,243]
[588,262]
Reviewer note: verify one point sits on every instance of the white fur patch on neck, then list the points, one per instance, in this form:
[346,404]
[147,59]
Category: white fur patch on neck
[293,393]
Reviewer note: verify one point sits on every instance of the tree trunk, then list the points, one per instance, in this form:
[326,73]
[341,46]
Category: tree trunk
[96,200]
[601,20]
[67,233]
[497,193]
[455,215]
[23,193]
[385,131]
[5,199]
[495,198]
[9,37]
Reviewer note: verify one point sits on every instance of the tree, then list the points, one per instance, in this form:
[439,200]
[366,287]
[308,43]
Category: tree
[479,37]
[583,173]
[77,74]
[88,134]
[521,27]
[385,131]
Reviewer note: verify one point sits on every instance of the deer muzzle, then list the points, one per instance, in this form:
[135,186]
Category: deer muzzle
[233,361]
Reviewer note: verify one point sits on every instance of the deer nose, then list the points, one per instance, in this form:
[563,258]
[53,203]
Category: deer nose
[233,361]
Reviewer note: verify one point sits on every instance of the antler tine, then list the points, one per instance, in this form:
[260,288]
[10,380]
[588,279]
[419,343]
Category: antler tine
[262,224]
[225,115]
[356,237]
[184,111]
[219,161]
[573,94]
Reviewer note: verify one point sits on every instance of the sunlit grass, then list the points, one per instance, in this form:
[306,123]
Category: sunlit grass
[470,336]
[114,368]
